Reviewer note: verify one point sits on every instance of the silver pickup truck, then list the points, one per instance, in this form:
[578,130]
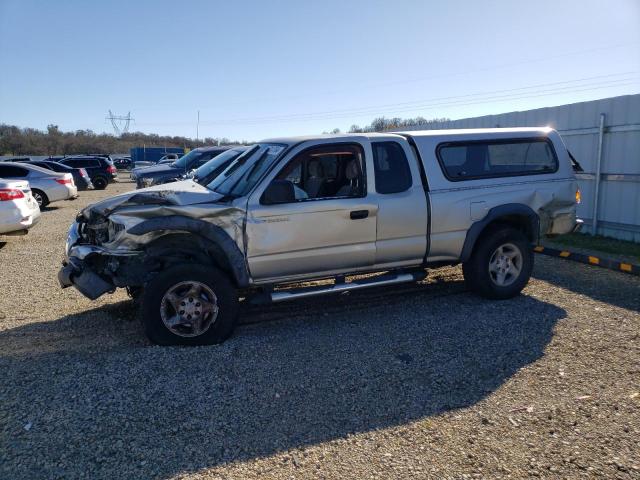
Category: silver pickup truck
[291,210]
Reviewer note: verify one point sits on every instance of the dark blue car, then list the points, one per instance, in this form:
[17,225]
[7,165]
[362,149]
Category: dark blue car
[147,176]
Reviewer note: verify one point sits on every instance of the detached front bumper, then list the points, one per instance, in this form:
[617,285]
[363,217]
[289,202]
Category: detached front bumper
[87,282]
[77,270]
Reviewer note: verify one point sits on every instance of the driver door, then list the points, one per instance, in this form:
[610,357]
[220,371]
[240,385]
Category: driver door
[327,225]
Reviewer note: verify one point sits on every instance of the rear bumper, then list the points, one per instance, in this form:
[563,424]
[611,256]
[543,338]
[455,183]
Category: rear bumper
[18,219]
[563,222]
[61,192]
[84,184]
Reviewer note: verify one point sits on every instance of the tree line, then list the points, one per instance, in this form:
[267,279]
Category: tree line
[31,141]
[53,141]
[383,124]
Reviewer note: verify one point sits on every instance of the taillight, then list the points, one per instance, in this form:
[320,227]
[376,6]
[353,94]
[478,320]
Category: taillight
[111,169]
[10,194]
[64,181]
[83,172]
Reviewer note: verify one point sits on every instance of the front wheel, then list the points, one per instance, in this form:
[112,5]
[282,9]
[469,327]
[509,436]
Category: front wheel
[189,305]
[500,265]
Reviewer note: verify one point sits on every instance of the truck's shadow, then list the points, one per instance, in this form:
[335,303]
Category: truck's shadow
[341,366]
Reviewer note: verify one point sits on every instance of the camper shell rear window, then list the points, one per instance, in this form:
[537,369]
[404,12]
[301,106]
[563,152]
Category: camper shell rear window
[468,160]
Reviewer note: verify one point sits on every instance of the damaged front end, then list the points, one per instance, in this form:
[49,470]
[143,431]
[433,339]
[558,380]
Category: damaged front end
[95,269]
[109,247]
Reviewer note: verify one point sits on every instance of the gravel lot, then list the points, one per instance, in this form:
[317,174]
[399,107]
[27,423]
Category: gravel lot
[423,381]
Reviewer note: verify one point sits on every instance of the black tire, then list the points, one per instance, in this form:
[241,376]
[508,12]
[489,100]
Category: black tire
[476,270]
[40,197]
[135,293]
[99,183]
[170,279]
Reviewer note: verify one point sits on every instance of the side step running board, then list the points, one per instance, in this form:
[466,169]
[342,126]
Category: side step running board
[387,279]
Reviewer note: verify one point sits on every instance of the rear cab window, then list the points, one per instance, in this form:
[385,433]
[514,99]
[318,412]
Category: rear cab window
[496,158]
[391,168]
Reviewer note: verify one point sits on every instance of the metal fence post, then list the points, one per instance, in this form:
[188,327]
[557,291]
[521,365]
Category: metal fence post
[598,175]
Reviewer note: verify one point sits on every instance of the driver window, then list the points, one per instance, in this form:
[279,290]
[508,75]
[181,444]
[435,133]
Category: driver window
[332,171]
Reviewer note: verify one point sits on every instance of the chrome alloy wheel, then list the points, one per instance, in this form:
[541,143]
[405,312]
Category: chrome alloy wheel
[505,264]
[188,309]
[38,198]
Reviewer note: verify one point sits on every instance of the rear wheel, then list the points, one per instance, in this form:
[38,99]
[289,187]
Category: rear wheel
[99,183]
[189,305]
[40,197]
[500,265]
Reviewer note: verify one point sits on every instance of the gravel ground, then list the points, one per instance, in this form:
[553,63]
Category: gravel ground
[420,380]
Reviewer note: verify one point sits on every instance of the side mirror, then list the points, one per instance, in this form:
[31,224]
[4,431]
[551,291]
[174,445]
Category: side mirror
[279,191]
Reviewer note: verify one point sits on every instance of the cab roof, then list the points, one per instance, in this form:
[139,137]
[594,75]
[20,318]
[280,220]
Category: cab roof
[489,132]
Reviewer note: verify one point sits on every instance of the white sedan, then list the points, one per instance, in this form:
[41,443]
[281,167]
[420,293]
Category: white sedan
[46,186]
[18,209]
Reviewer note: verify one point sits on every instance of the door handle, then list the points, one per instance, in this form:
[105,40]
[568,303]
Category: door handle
[358,214]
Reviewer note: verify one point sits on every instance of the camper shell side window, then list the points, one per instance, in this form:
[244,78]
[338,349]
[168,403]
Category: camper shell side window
[468,160]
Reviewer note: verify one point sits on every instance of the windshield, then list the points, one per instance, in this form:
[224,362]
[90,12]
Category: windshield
[182,162]
[242,175]
[215,163]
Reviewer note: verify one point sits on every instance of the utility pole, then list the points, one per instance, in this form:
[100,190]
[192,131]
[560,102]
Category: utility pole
[198,127]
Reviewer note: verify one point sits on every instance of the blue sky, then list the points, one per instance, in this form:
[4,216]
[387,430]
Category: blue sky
[257,69]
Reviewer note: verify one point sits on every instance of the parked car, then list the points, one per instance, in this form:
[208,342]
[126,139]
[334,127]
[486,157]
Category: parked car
[153,154]
[18,209]
[80,175]
[46,186]
[100,169]
[210,170]
[164,160]
[197,157]
[299,209]
[123,163]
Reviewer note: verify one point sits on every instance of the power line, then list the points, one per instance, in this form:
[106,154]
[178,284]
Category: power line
[361,87]
[531,91]
[468,99]
[446,75]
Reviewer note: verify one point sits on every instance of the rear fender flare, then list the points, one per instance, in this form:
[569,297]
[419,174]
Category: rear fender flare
[507,211]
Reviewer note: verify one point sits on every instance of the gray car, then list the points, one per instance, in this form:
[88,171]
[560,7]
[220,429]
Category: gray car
[46,185]
[293,210]
[160,173]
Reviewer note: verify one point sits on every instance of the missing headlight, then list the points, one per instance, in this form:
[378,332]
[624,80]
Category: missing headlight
[113,230]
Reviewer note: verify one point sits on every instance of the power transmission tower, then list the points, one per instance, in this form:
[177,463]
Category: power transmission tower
[119,118]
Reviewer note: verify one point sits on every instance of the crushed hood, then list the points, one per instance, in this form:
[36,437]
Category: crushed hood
[186,192]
